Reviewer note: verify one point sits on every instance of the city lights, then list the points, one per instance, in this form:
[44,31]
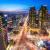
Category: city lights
[24,25]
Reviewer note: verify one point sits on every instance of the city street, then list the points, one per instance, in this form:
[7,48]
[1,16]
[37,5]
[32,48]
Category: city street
[25,39]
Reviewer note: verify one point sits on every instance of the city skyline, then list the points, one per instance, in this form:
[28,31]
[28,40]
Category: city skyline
[22,4]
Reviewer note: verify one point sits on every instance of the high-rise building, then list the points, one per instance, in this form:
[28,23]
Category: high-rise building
[43,14]
[1,20]
[4,20]
[3,35]
[32,17]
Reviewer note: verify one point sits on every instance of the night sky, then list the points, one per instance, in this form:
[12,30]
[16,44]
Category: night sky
[22,4]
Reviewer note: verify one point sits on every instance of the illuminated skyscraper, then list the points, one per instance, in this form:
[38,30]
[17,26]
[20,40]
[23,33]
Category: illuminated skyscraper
[32,16]
[3,35]
[43,15]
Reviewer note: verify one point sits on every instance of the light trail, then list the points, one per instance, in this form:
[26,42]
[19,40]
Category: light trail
[22,34]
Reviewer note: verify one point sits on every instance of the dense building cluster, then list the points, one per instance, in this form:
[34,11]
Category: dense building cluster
[38,18]
[12,23]
[8,22]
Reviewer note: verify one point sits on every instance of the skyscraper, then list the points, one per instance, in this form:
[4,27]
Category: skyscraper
[32,16]
[3,35]
[43,15]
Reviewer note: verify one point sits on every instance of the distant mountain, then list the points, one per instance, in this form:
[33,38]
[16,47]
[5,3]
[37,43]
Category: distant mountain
[13,12]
